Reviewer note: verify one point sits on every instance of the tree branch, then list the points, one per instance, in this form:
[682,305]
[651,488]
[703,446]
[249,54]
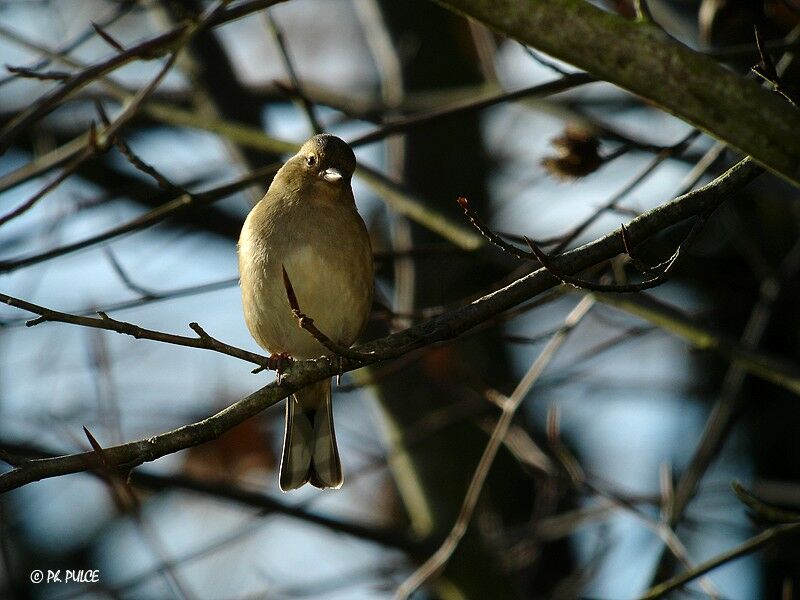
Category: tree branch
[17,454]
[149,48]
[751,545]
[202,341]
[444,327]
[641,59]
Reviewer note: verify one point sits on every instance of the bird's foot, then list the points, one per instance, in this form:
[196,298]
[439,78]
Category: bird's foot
[279,362]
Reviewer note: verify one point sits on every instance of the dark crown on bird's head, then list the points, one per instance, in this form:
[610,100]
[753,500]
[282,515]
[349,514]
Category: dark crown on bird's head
[331,151]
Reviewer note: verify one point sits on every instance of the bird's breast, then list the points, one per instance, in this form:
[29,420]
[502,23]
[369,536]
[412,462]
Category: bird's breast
[329,262]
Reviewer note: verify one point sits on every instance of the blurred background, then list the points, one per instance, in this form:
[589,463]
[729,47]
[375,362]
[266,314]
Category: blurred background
[636,416]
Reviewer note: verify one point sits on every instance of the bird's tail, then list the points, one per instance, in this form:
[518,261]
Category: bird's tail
[309,444]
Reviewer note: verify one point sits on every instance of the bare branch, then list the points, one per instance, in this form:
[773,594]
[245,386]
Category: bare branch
[307,323]
[440,558]
[762,510]
[205,342]
[148,219]
[40,75]
[444,327]
[643,60]
[751,545]
[403,124]
[47,188]
[767,71]
[491,235]
[120,10]
[305,103]
[107,37]
[150,48]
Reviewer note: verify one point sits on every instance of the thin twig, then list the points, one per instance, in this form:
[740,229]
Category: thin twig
[583,482]
[98,140]
[147,49]
[403,124]
[747,547]
[145,293]
[152,296]
[307,323]
[268,504]
[665,267]
[205,341]
[68,170]
[780,372]
[762,510]
[664,154]
[397,197]
[107,38]
[767,71]
[305,103]
[536,253]
[136,162]
[440,558]
[726,407]
[490,235]
[40,75]
[121,9]
[148,219]
[128,503]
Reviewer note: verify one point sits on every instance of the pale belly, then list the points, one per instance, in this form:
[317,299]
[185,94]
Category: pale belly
[333,284]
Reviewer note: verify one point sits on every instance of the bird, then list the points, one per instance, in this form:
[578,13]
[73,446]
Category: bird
[307,226]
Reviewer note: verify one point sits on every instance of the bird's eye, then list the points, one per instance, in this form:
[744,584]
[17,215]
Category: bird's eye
[311,160]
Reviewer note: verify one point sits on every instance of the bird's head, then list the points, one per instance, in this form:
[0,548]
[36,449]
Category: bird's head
[328,158]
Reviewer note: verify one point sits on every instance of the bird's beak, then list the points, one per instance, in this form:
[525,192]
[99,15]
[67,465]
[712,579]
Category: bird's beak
[332,175]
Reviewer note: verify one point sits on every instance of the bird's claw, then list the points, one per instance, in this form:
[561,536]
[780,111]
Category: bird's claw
[279,362]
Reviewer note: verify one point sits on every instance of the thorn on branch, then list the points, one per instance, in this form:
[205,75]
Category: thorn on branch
[98,449]
[630,250]
[626,240]
[121,492]
[307,323]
